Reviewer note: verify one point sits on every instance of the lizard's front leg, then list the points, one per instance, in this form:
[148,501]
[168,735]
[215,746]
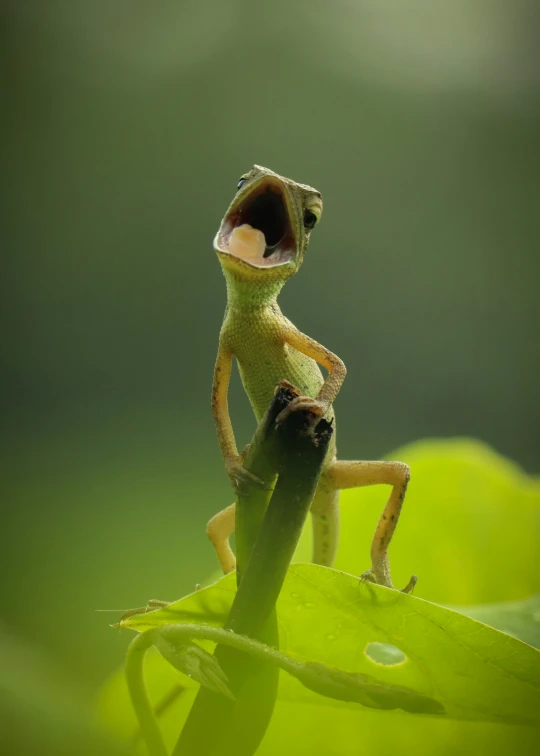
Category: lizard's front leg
[237,473]
[321,403]
[348,474]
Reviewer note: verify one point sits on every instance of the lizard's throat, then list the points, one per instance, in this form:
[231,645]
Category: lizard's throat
[251,293]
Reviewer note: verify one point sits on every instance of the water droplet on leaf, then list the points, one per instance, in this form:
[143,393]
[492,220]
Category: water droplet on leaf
[385,653]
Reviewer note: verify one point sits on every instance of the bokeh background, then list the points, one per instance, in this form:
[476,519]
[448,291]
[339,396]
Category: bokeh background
[125,127]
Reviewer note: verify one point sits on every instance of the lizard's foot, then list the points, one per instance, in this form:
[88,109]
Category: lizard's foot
[242,479]
[299,404]
[370,576]
[410,585]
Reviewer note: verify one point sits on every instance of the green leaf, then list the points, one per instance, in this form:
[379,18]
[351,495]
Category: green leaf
[469,528]
[193,661]
[518,618]
[329,617]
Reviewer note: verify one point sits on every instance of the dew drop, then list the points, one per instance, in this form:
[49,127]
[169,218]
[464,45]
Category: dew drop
[385,653]
[309,605]
[330,637]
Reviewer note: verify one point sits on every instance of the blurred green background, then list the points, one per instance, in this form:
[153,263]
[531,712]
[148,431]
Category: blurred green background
[125,127]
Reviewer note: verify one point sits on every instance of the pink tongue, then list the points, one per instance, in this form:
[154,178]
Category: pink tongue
[247,242]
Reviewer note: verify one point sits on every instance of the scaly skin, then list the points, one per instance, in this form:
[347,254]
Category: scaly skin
[270,349]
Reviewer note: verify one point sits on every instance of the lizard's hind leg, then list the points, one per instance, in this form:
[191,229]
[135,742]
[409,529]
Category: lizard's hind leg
[219,530]
[346,474]
[325,523]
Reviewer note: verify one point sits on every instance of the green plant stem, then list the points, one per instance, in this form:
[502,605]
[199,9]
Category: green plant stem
[297,450]
[149,727]
[254,682]
[139,697]
[251,504]
[178,633]
[301,449]
[320,678]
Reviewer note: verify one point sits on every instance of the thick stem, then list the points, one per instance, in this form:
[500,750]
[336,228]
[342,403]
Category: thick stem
[300,449]
[254,682]
[297,450]
[260,460]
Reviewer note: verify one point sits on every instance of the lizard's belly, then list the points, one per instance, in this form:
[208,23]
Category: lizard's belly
[264,359]
[263,368]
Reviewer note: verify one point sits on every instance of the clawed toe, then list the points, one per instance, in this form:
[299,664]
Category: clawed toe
[369,575]
[410,585]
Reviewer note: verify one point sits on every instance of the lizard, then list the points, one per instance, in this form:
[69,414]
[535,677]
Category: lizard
[261,242]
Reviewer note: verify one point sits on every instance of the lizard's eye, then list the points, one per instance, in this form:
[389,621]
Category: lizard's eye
[242,182]
[310,219]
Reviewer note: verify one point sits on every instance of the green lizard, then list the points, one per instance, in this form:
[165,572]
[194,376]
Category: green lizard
[261,242]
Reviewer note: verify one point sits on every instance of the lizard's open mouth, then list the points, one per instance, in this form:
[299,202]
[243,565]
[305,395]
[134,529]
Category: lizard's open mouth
[259,231]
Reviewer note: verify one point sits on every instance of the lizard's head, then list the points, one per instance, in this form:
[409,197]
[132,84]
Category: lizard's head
[266,229]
